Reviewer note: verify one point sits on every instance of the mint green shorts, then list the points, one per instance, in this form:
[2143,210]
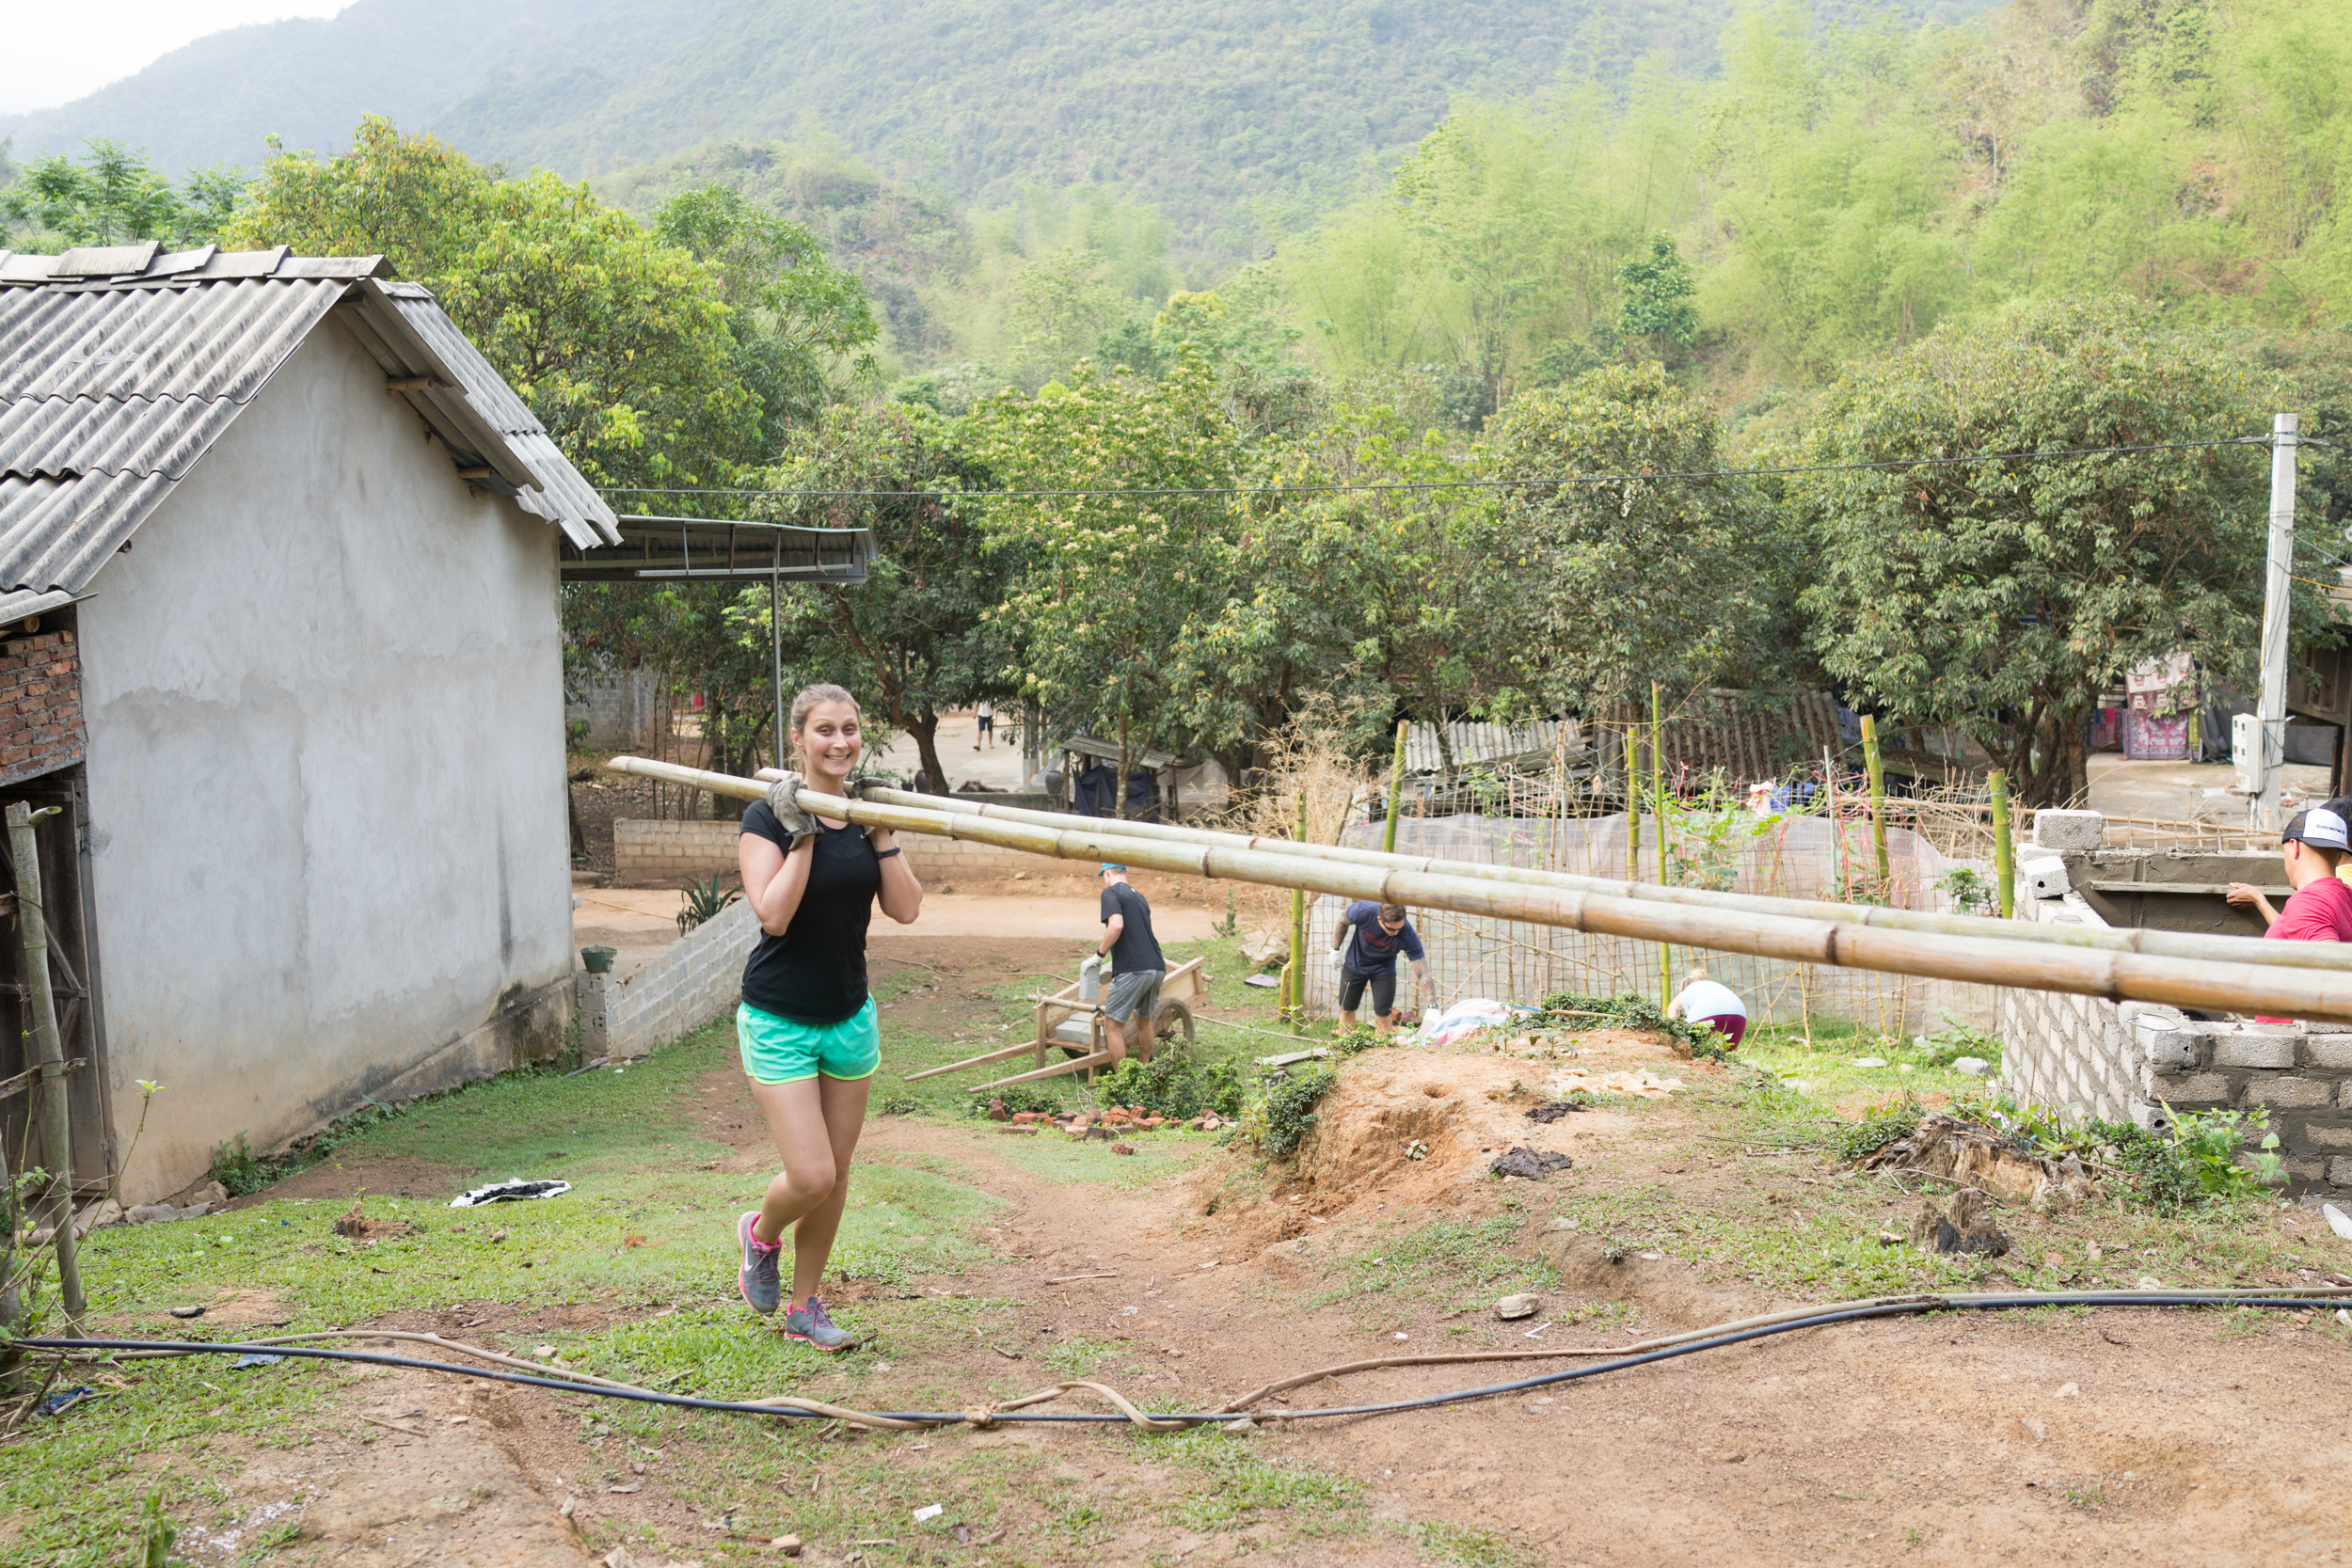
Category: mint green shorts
[778,1051]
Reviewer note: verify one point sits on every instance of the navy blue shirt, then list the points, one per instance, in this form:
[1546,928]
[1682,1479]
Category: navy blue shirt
[1372,951]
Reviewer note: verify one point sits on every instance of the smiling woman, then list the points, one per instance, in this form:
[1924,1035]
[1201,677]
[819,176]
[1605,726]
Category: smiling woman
[807,1027]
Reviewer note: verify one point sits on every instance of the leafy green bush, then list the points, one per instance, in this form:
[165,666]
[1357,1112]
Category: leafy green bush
[1970,893]
[1363,1038]
[1177,1084]
[1880,1125]
[1285,1108]
[1573,1009]
[235,1166]
[2198,1160]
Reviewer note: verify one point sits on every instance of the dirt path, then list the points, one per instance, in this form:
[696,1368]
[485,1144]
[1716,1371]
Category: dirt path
[2091,1437]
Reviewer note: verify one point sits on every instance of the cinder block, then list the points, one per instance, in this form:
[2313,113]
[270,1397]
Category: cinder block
[2340,1171]
[2249,1049]
[2288,1092]
[2198,1091]
[2303,1169]
[2328,1050]
[2068,829]
[2329,1134]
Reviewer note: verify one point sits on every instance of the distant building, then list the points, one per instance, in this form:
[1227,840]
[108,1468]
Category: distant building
[279,633]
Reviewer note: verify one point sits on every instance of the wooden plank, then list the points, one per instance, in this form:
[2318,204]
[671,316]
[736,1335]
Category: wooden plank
[1004,1056]
[1081,1064]
[12,1088]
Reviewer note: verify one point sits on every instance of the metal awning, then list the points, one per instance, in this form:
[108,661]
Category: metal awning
[682,548]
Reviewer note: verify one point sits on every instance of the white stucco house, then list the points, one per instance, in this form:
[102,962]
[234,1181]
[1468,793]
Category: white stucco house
[278,632]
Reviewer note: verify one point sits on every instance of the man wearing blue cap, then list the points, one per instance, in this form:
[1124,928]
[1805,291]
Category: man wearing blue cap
[1136,967]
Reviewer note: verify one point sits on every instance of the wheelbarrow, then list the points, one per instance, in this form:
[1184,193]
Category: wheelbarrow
[1072,1022]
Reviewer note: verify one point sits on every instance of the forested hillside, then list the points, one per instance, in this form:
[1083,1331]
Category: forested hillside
[1233,116]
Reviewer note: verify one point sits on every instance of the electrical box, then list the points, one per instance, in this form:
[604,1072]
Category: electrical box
[2246,752]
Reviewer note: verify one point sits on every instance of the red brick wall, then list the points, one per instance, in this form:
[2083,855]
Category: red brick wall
[40,704]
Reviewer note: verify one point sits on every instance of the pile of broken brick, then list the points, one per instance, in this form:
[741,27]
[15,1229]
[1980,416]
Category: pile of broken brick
[1105,1124]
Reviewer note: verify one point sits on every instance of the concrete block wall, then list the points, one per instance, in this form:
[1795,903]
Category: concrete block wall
[2300,1073]
[40,704]
[650,853]
[696,980]
[2137,1061]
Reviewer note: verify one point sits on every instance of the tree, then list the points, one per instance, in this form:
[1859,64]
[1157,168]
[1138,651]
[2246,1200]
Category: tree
[1609,578]
[2003,596]
[1654,299]
[619,344]
[115,195]
[802,326]
[1114,582]
[918,632]
[1062,307]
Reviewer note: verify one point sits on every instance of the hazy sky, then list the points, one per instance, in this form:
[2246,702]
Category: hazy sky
[54,53]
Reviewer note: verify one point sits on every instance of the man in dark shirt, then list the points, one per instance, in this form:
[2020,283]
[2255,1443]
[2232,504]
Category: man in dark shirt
[1365,951]
[1136,967]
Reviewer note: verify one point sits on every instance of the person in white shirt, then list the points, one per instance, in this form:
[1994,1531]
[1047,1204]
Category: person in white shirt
[1718,1006]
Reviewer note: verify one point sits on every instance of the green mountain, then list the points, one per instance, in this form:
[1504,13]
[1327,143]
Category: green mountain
[1234,117]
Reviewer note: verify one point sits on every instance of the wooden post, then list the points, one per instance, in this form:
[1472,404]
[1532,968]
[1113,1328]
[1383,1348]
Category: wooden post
[1878,804]
[48,1054]
[1298,937]
[2004,855]
[1657,801]
[1396,788]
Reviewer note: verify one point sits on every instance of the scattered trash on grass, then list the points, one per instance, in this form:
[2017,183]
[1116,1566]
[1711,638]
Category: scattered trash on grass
[509,1191]
[188,1311]
[1263,982]
[929,1511]
[2337,1220]
[1529,1164]
[246,1363]
[66,1399]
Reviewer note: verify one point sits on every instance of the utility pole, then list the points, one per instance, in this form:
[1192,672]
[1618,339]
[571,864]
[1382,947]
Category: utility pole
[2271,710]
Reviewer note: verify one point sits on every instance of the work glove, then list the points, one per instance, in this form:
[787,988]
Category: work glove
[1339,957]
[783,798]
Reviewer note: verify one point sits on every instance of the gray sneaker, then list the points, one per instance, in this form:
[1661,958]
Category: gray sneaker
[758,1280]
[815,1325]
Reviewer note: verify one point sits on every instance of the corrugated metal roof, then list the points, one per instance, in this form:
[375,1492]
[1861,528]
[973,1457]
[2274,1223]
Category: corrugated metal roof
[566,499]
[119,367]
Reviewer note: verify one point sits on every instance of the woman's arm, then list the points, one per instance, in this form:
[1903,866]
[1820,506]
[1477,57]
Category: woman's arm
[773,881]
[901,895]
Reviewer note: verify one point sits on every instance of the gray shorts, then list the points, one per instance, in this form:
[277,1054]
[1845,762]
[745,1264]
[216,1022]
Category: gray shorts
[1127,992]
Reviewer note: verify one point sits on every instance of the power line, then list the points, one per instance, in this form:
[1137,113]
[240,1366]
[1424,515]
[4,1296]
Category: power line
[1450,484]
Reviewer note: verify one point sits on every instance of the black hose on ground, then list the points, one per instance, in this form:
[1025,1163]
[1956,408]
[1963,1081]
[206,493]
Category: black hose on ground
[1898,1307]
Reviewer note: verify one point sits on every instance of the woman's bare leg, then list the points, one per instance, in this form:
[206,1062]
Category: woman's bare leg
[815,1124]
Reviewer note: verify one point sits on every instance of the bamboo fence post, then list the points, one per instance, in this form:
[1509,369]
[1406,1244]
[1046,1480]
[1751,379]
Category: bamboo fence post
[1878,804]
[1396,788]
[1298,937]
[1632,801]
[48,1054]
[2004,854]
[1658,802]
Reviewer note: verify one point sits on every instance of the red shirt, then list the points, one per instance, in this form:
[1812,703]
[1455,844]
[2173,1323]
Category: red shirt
[2321,911]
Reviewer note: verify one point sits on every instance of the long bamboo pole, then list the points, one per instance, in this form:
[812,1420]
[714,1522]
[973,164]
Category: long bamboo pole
[1298,937]
[1657,803]
[2004,852]
[1878,804]
[1396,788]
[2252,950]
[1984,958]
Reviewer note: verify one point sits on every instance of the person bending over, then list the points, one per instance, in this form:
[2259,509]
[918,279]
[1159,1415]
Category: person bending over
[806,1028]
[1136,967]
[1717,1006]
[1364,950]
